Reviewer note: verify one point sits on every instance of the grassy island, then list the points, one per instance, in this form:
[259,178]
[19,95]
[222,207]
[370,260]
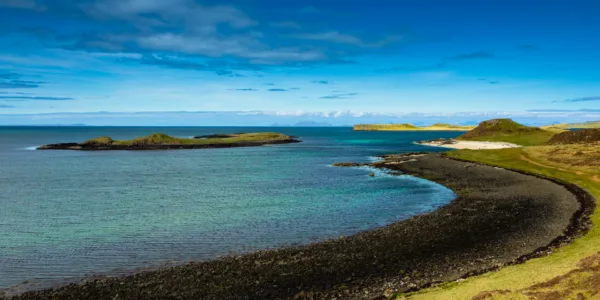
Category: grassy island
[411,127]
[161,141]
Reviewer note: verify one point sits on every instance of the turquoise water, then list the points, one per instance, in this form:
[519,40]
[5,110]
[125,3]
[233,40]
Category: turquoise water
[69,214]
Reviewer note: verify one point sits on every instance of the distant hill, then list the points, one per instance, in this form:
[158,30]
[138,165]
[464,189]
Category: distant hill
[576,137]
[312,124]
[507,130]
[565,126]
[410,127]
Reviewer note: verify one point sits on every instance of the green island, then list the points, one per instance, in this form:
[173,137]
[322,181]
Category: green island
[411,127]
[569,272]
[161,141]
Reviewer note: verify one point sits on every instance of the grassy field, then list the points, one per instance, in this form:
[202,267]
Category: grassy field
[163,139]
[410,127]
[571,272]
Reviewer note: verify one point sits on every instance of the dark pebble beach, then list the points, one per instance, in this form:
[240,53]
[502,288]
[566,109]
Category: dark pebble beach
[499,217]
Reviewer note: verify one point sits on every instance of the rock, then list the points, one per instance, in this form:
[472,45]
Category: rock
[345,164]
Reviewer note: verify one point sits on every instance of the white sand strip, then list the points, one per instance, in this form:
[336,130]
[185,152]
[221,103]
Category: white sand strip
[472,145]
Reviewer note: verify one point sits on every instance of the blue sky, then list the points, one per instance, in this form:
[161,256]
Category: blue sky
[310,60]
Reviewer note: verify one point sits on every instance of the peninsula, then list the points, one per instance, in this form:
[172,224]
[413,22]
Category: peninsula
[496,134]
[161,141]
[411,127]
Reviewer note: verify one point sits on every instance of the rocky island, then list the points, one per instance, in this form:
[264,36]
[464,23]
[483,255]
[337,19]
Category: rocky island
[161,141]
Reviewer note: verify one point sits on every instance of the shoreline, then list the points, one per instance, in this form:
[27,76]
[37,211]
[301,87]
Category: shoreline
[400,257]
[472,145]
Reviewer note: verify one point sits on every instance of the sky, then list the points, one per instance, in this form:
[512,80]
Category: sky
[260,62]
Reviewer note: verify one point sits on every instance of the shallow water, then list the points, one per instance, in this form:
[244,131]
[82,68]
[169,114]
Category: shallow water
[67,214]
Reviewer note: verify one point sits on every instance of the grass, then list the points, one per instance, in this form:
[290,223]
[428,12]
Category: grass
[163,139]
[99,141]
[411,127]
[508,131]
[564,273]
[523,139]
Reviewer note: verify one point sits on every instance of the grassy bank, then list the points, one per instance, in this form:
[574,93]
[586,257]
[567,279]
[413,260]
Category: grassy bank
[568,271]
[411,127]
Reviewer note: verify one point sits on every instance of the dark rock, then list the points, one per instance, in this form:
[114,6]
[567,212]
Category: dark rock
[346,164]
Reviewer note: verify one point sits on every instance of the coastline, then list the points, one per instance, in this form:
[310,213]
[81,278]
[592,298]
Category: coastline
[401,257]
[472,145]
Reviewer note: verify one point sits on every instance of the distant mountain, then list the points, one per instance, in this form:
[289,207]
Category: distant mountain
[312,124]
[58,125]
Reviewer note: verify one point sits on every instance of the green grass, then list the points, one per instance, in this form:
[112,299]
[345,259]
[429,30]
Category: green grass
[520,138]
[508,131]
[163,139]
[518,281]
[410,127]
[99,141]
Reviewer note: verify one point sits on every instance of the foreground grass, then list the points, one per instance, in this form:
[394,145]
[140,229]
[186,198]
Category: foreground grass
[163,139]
[564,274]
[410,127]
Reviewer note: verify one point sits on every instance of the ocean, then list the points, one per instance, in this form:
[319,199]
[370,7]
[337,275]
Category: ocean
[66,215]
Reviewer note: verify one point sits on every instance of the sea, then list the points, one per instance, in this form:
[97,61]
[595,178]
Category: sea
[72,215]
